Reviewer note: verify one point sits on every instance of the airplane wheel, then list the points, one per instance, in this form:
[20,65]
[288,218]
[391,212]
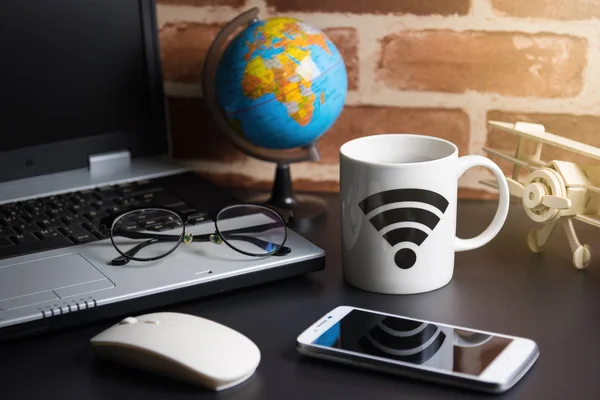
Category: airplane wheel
[532,241]
[582,257]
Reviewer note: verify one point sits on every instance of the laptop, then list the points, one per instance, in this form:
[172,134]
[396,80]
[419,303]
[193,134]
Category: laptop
[83,134]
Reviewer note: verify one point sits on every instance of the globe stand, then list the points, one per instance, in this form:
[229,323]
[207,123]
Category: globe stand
[304,209]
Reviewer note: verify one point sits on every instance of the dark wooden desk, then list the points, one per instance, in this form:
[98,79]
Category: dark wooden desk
[501,287]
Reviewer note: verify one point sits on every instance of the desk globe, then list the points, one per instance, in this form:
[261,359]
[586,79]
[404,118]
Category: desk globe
[279,85]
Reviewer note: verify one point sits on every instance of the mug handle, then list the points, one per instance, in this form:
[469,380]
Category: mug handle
[464,163]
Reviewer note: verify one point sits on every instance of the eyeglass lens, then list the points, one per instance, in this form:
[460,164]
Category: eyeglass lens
[250,229]
[147,234]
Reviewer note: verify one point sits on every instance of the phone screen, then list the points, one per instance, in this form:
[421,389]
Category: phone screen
[416,342]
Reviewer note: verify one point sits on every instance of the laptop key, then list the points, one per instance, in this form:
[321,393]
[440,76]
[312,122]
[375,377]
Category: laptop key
[56,204]
[47,234]
[77,199]
[24,239]
[36,207]
[58,213]
[164,199]
[146,190]
[83,238]
[9,211]
[7,231]
[73,230]
[132,226]
[194,219]
[4,241]
[81,209]
[73,219]
[181,207]
[157,228]
[100,235]
[35,216]
[127,202]
[95,216]
[105,193]
[26,228]
[11,220]
[50,223]
[76,209]
[95,230]
[114,210]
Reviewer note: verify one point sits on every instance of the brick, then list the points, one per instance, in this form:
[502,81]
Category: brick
[583,128]
[183,48]
[200,3]
[195,134]
[358,121]
[548,9]
[508,63]
[346,41]
[417,7]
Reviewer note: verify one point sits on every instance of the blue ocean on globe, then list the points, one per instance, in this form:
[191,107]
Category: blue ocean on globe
[282,83]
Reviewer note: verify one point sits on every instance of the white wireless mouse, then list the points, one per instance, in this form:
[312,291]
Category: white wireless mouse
[181,346]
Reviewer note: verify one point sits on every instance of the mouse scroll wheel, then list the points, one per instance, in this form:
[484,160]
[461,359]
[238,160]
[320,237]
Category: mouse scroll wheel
[128,321]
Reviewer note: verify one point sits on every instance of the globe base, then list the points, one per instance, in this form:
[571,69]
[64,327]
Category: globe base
[304,210]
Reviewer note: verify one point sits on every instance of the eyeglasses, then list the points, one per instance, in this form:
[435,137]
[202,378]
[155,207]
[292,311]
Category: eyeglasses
[148,234]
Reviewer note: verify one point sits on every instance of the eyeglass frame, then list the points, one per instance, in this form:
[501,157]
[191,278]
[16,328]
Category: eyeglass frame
[107,224]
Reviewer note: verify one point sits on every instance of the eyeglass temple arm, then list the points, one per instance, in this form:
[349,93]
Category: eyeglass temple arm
[263,244]
[250,229]
[122,260]
[283,250]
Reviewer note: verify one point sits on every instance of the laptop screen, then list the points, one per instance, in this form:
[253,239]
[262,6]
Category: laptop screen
[79,72]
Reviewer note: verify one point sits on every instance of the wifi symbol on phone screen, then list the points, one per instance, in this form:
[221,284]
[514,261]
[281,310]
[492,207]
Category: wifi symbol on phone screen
[405,257]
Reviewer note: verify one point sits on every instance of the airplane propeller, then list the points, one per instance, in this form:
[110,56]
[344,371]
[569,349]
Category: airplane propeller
[515,188]
[535,194]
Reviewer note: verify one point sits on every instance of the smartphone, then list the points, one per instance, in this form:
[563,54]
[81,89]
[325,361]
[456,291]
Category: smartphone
[426,350]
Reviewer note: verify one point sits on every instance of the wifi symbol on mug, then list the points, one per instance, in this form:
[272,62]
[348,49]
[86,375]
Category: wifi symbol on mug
[405,257]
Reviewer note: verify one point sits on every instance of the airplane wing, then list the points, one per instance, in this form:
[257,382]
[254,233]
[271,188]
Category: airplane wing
[550,139]
[489,183]
[527,162]
[594,189]
[592,219]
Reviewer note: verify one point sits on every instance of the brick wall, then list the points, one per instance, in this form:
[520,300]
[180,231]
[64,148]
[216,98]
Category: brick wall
[437,67]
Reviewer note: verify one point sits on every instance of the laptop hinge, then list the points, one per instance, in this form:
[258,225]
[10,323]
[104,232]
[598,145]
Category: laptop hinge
[109,163]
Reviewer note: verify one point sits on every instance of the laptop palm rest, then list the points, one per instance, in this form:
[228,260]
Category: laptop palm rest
[48,279]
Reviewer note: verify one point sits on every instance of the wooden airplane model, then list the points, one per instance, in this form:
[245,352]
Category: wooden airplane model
[553,192]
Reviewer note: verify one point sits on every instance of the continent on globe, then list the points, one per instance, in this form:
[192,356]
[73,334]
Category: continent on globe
[282,83]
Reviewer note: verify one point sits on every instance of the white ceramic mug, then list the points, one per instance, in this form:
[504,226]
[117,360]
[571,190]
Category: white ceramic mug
[398,196]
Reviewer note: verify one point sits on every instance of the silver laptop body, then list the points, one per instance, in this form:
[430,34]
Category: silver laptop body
[84,110]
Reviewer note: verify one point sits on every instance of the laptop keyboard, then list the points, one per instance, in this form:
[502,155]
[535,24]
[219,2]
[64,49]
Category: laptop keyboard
[68,219]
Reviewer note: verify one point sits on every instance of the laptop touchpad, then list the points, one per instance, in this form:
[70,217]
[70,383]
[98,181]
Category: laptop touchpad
[25,282]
